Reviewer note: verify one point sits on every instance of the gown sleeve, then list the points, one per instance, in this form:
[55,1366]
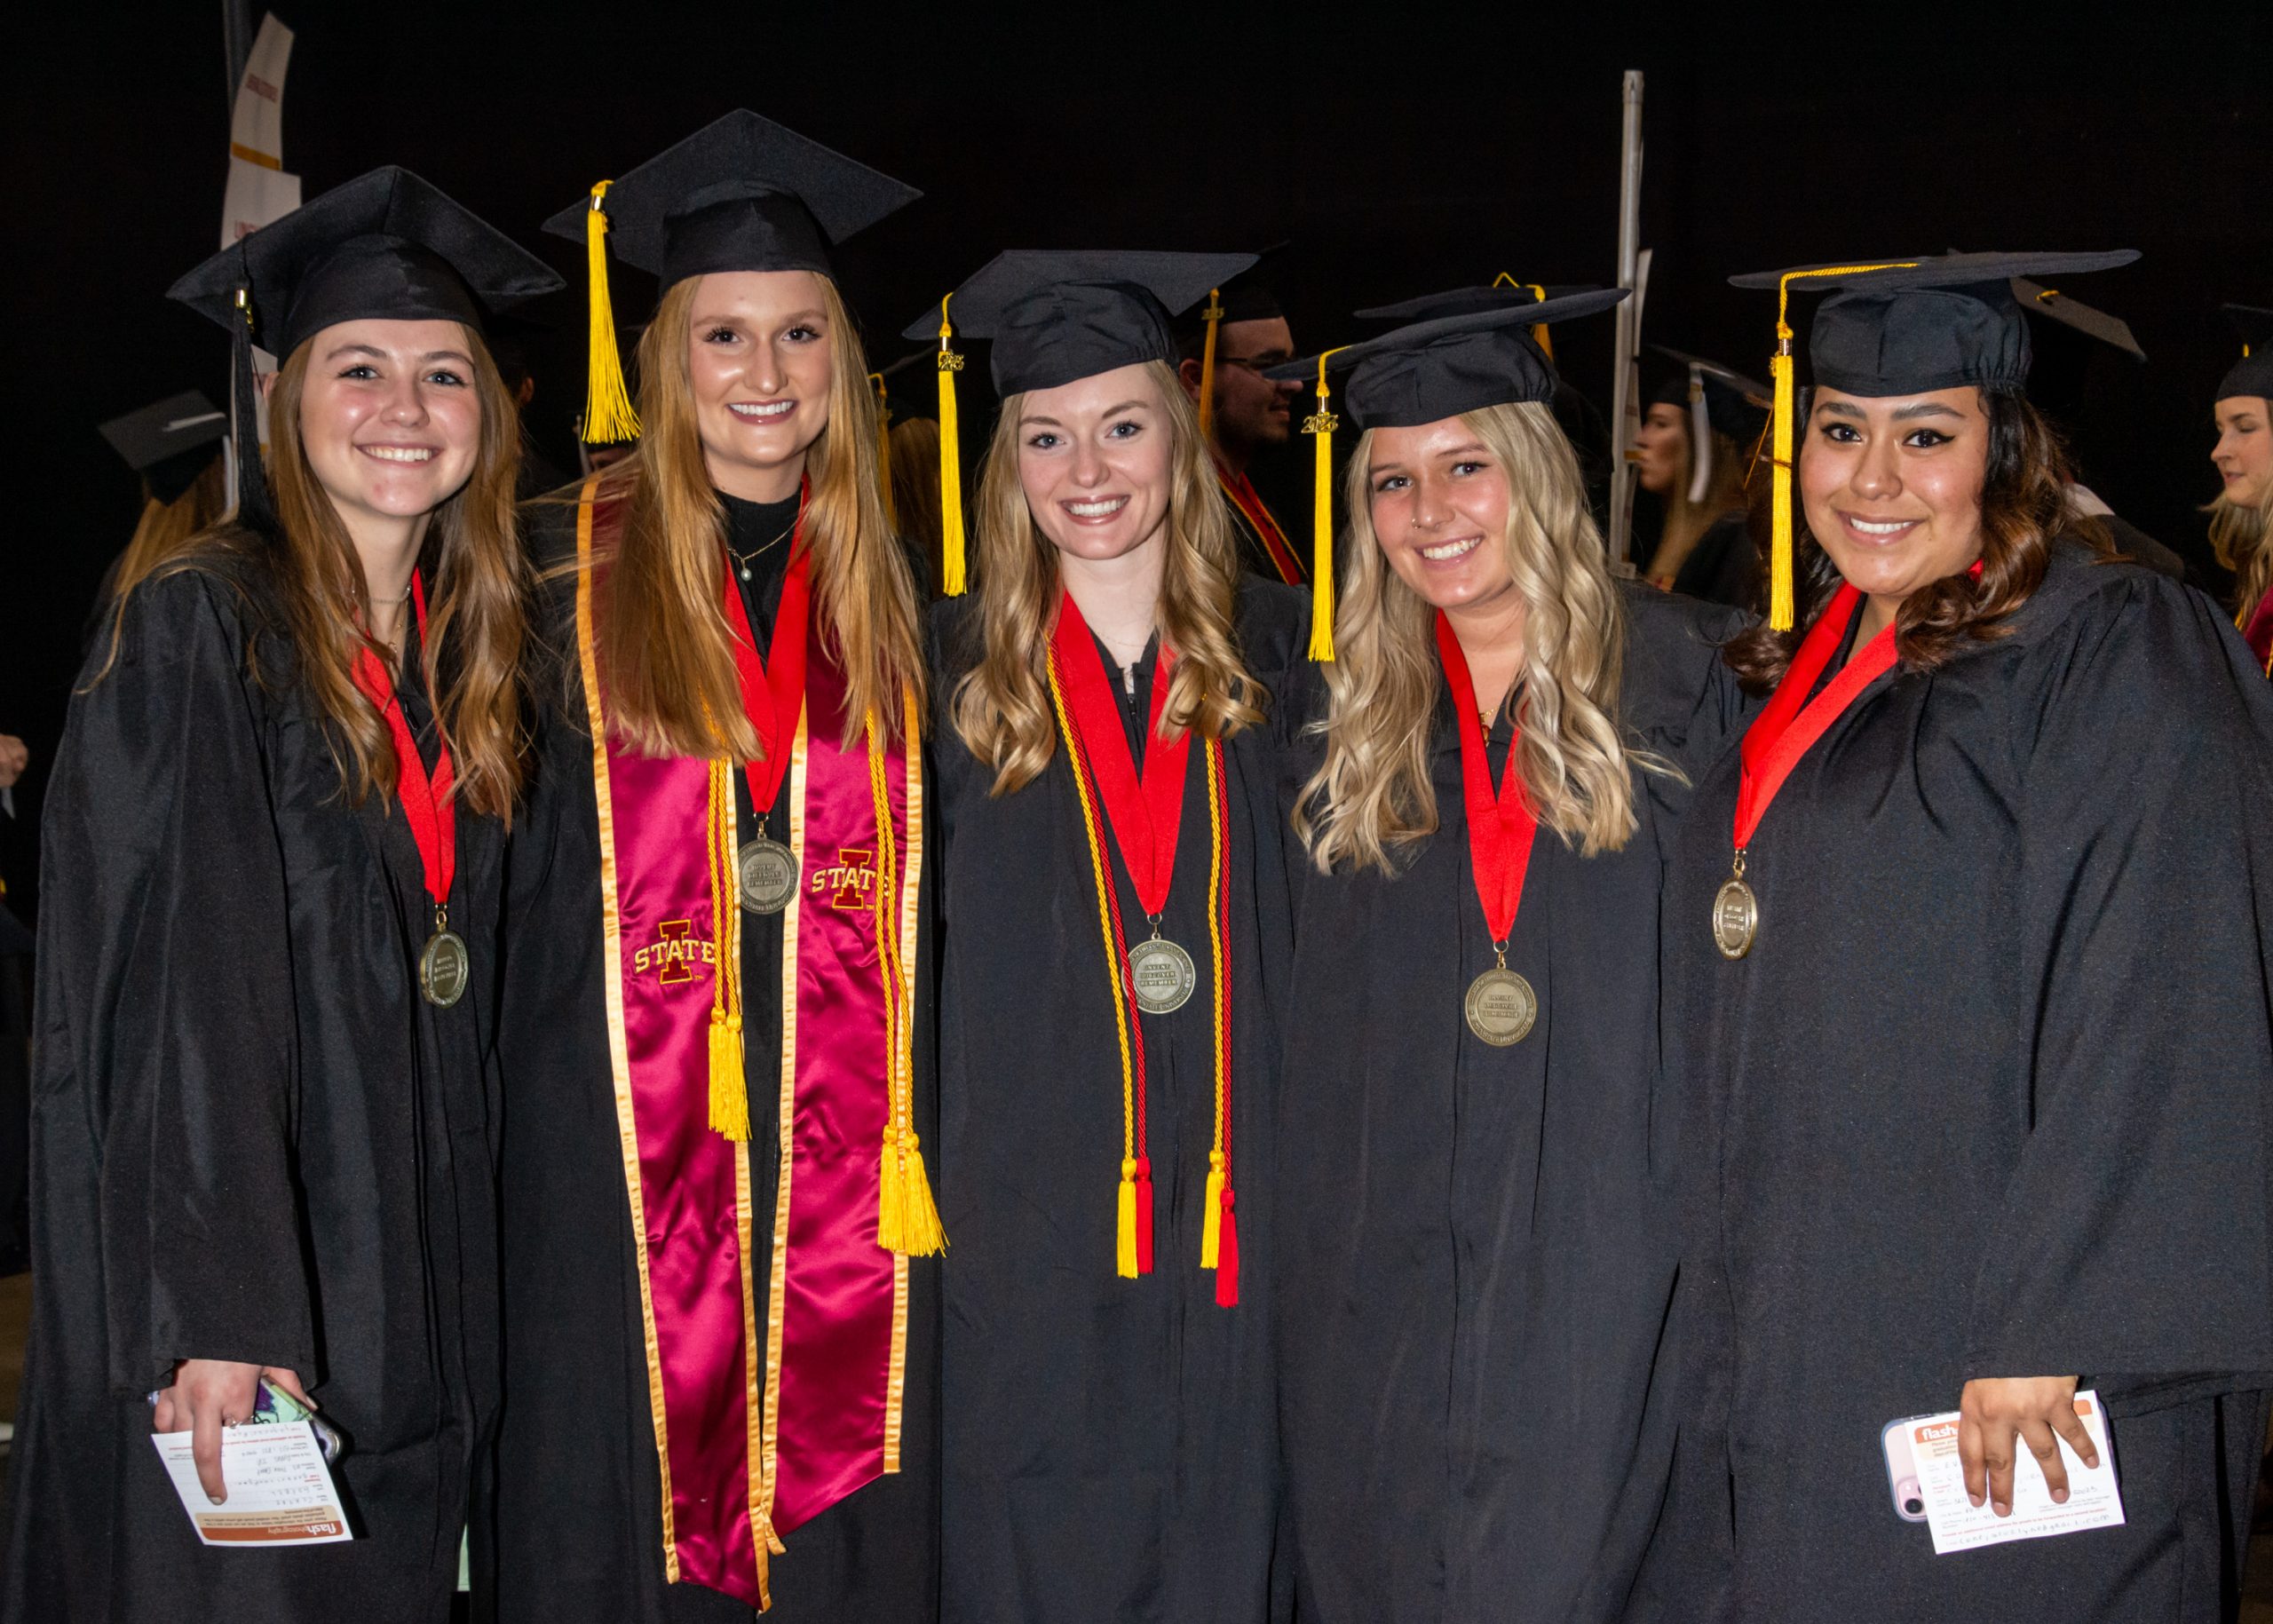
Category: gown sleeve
[174,981]
[2135,1243]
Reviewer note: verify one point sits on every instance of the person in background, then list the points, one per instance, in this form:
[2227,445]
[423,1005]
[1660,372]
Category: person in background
[510,343]
[721,1312]
[1477,1247]
[1237,333]
[1114,911]
[2241,516]
[1967,973]
[179,447]
[1695,450]
[264,1114]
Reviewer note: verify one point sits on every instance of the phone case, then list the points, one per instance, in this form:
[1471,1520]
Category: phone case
[1902,1470]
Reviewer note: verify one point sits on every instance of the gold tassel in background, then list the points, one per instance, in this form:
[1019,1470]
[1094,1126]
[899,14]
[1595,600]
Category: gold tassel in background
[951,549]
[883,447]
[1212,317]
[609,418]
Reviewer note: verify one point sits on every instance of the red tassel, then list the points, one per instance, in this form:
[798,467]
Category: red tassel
[1144,1214]
[1227,1257]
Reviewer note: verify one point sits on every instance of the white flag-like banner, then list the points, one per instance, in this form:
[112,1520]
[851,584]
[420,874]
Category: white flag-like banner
[260,190]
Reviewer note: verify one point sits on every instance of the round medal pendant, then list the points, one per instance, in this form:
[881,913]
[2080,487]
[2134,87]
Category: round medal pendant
[1502,1008]
[1736,919]
[1162,974]
[444,969]
[768,874]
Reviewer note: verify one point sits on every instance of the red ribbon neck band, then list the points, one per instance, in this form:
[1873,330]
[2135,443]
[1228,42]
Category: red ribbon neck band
[1143,813]
[773,689]
[427,805]
[1501,827]
[1791,724]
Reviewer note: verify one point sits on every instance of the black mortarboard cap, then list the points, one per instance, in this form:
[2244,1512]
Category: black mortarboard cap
[1935,322]
[2253,374]
[171,442]
[740,193]
[1899,326]
[1735,405]
[1057,315]
[385,245]
[1448,364]
[1505,293]
[2053,305]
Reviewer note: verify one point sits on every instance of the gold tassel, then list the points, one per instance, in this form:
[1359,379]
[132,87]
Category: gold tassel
[1321,424]
[1211,1224]
[609,418]
[1780,546]
[950,562]
[1124,1233]
[907,1219]
[883,447]
[1212,317]
[1538,296]
[729,1083]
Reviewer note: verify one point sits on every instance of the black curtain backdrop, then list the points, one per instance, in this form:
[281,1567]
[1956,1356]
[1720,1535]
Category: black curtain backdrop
[1401,149]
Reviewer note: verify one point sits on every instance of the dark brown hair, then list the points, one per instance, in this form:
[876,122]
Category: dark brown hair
[2023,511]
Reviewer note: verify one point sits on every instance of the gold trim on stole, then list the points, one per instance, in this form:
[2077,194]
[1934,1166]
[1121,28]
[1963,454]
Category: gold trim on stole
[912,876]
[618,1053]
[777,1295]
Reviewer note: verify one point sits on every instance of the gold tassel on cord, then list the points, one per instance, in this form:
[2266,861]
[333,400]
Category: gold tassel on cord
[950,562]
[729,1083]
[883,447]
[1211,1222]
[1321,424]
[1538,296]
[907,1219]
[609,418]
[1124,1229]
[1213,317]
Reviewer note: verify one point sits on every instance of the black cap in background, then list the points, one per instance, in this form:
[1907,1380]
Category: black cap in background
[2253,374]
[169,442]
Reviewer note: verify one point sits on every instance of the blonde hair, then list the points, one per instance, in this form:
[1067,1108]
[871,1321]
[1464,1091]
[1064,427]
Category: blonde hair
[665,648]
[1372,794]
[1687,521]
[166,528]
[915,499]
[1002,705]
[2241,535]
[470,655]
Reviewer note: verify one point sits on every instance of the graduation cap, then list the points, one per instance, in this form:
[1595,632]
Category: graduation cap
[169,443]
[1503,292]
[740,193]
[1057,316]
[385,245]
[1719,401]
[2253,374]
[1900,327]
[1246,296]
[1422,373]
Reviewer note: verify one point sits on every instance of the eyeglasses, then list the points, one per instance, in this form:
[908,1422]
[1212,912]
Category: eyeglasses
[1252,363]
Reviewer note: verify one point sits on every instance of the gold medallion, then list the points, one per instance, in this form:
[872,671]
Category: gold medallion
[1736,917]
[768,874]
[1501,1006]
[1162,974]
[444,969]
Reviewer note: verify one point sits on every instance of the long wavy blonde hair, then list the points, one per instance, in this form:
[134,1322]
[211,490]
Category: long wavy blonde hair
[1373,795]
[665,652]
[2241,535]
[1002,705]
[166,528]
[471,556]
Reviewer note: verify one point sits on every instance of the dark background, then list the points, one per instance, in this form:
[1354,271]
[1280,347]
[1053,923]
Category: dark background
[1401,147]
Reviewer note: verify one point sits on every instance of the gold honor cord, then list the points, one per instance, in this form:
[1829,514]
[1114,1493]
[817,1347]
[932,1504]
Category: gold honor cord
[1211,318]
[1781,614]
[1321,424]
[729,1084]
[608,415]
[907,1219]
[951,549]
[1219,1154]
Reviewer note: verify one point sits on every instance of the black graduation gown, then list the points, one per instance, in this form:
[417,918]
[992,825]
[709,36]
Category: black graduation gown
[1475,1246]
[579,1512]
[252,1138]
[1723,567]
[1111,1449]
[1255,557]
[1988,1099]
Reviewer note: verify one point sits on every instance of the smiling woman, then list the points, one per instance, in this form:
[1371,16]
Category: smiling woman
[263,1141]
[1956,1135]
